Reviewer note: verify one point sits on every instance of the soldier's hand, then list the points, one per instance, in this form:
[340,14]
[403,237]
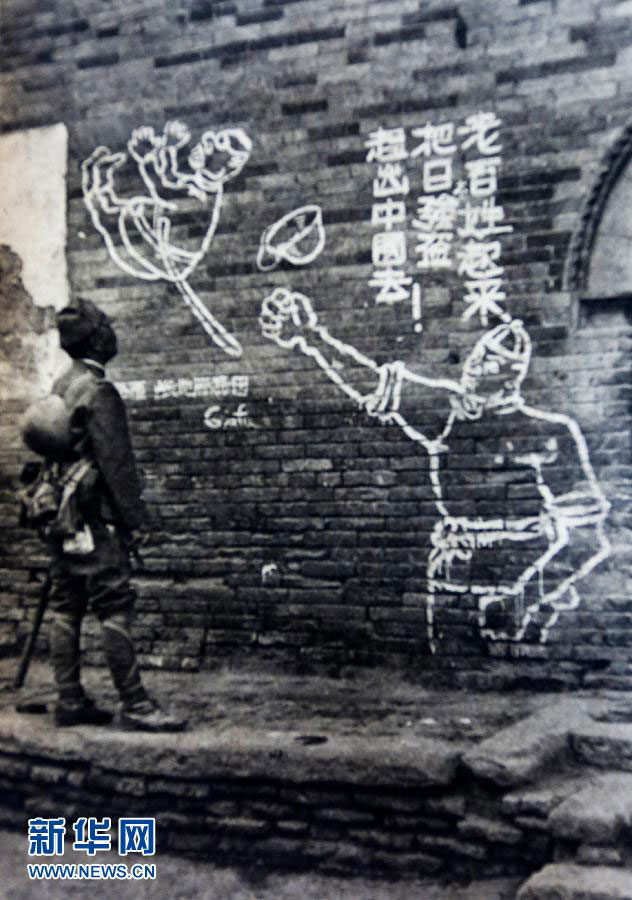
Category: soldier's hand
[135,540]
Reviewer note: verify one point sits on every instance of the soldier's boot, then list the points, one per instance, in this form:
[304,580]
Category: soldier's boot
[73,706]
[84,712]
[139,711]
[147,716]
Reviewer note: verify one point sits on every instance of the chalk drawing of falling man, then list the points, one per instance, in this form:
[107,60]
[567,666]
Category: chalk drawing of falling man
[520,512]
[175,179]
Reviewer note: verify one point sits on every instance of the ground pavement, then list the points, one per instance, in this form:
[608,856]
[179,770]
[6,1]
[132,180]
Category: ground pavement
[363,776]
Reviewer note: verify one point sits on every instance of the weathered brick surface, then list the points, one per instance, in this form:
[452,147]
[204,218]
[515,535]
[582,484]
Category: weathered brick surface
[341,505]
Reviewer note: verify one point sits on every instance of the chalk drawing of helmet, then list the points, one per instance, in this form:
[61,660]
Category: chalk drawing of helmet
[504,351]
[297,238]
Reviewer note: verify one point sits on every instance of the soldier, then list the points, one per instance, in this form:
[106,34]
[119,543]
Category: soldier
[96,521]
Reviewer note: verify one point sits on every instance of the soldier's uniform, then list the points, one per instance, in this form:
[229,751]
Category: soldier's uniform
[97,523]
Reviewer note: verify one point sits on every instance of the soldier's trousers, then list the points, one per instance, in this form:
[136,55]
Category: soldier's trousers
[103,586]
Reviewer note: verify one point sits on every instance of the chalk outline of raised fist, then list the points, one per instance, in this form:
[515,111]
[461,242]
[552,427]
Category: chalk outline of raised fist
[281,307]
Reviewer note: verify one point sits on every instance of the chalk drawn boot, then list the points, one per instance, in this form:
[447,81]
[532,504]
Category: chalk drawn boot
[500,617]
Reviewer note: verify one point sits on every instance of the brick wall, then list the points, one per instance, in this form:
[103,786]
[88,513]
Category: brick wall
[293,524]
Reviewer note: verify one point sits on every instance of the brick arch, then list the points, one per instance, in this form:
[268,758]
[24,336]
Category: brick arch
[600,257]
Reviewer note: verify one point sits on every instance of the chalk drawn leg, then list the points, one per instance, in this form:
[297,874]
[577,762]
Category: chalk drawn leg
[507,613]
[210,324]
[449,552]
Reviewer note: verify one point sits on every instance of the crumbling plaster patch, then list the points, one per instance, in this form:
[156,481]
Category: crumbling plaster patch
[33,274]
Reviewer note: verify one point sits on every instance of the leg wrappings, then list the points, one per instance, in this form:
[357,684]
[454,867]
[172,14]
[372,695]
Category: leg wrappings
[121,657]
[64,655]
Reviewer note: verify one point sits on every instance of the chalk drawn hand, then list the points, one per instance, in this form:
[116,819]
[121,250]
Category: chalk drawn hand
[144,144]
[98,172]
[385,399]
[147,247]
[286,316]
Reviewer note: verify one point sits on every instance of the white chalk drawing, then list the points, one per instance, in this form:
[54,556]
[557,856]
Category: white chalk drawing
[216,419]
[173,181]
[416,295]
[447,200]
[297,238]
[386,147]
[542,455]
[191,388]
[456,215]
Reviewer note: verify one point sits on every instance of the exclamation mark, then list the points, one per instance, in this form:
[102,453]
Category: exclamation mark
[417,307]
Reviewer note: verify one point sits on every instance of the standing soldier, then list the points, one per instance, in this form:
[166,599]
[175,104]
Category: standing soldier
[86,500]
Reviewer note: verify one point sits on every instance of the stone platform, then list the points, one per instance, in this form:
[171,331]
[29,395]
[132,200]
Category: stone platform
[369,775]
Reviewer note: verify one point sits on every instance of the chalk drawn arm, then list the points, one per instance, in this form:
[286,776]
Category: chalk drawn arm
[106,206]
[288,319]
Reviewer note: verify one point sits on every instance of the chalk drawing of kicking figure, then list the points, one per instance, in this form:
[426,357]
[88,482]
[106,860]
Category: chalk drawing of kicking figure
[173,178]
[521,515]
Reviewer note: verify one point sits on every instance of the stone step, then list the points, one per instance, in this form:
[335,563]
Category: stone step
[606,745]
[526,751]
[533,804]
[599,813]
[573,731]
[403,761]
[564,881]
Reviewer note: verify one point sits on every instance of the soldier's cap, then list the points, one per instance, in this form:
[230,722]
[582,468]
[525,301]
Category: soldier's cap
[78,322]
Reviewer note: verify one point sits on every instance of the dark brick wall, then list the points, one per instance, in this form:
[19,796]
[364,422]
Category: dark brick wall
[340,504]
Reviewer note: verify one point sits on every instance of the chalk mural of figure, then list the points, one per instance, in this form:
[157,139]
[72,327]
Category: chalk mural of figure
[517,570]
[297,238]
[171,179]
